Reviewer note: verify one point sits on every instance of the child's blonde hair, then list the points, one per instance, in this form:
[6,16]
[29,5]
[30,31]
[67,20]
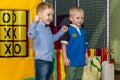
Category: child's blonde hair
[42,6]
[73,10]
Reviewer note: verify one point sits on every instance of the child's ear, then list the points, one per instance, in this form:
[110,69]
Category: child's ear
[70,18]
[39,14]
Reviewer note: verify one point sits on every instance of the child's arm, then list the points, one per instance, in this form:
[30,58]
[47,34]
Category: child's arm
[32,33]
[64,42]
[86,57]
[66,60]
[60,33]
[32,30]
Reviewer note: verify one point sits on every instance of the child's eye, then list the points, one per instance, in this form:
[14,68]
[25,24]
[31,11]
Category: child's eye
[77,17]
[80,18]
[50,15]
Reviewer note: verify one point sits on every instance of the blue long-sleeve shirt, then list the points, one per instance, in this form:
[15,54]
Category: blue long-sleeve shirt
[43,40]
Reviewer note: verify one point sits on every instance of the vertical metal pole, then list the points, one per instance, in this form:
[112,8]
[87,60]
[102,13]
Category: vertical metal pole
[108,37]
[43,0]
[78,3]
[55,17]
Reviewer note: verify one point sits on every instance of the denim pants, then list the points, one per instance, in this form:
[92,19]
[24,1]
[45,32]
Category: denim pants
[43,69]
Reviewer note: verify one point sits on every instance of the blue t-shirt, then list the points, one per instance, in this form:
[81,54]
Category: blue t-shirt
[75,39]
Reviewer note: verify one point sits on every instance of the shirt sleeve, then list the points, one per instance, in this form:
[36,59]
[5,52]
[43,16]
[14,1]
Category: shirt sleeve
[58,35]
[32,33]
[65,38]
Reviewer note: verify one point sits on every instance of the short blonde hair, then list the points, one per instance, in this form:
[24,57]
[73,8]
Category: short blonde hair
[73,10]
[43,6]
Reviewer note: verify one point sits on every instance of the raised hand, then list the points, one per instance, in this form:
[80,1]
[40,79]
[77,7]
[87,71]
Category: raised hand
[36,18]
[64,28]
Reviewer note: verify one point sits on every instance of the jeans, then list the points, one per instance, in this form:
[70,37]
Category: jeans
[43,69]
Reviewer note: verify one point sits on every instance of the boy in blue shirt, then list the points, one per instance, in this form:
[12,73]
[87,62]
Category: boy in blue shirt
[74,45]
[43,39]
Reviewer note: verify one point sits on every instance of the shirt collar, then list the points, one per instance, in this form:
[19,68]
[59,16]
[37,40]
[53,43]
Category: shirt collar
[74,26]
[78,29]
[41,24]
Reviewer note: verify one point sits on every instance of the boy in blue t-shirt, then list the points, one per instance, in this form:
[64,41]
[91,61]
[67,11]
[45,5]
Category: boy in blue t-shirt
[74,45]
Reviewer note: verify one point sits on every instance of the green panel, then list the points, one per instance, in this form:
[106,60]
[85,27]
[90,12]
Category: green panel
[115,31]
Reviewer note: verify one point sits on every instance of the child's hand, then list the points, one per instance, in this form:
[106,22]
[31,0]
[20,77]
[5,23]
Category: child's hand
[36,18]
[66,61]
[87,60]
[64,28]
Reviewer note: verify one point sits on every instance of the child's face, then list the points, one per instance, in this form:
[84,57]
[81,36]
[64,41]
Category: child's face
[46,15]
[77,19]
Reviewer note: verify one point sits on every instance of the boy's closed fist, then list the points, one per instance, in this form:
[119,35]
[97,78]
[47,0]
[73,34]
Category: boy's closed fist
[36,18]
[64,28]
